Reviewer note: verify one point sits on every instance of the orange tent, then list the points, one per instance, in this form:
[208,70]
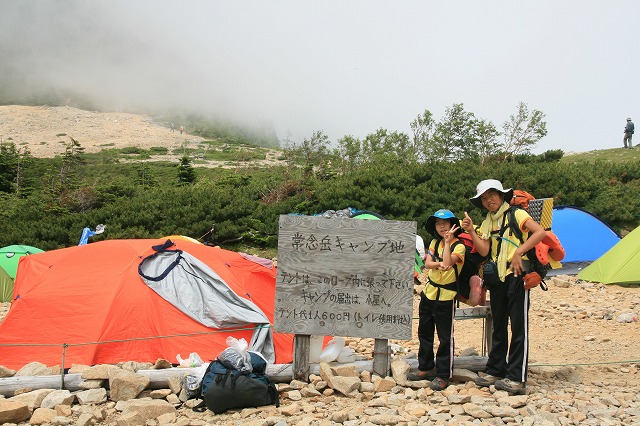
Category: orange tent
[88,305]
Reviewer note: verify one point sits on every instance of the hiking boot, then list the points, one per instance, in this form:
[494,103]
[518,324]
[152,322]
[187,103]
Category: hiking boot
[439,384]
[511,386]
[486,380]
[422,375]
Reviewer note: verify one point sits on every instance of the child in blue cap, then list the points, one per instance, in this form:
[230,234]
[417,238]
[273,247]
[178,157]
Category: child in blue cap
[437,307]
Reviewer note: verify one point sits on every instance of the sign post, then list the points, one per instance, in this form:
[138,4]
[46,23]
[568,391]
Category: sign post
[344,277]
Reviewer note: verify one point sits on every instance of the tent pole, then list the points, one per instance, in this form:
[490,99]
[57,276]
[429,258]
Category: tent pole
[64,351]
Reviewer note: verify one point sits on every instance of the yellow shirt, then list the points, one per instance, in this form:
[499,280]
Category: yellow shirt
[509,242]
[444,277]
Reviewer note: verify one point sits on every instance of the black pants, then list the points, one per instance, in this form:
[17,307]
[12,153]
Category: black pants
[436,315]
[509,302]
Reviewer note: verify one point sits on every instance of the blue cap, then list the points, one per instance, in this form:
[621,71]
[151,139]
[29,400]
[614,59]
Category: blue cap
[430,225]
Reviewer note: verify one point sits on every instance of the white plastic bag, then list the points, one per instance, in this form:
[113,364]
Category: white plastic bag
[236,355]
[192,380]
[194,360]
[346,355]
[332,350]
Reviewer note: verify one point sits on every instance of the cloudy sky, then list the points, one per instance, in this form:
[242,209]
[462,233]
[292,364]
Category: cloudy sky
[344,67]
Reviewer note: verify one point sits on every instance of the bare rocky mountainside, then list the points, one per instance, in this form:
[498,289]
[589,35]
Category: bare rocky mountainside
[45,130]
[584,344]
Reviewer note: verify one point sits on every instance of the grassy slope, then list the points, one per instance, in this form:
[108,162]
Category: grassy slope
[613,154]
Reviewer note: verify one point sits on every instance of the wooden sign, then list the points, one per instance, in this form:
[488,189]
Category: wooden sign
[345,277]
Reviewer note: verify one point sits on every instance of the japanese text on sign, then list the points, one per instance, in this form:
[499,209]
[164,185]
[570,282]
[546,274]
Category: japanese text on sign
[343,276]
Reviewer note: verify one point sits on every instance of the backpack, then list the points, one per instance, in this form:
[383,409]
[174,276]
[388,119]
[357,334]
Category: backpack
[521,198]
[549,247]
[225,388]
[536,264]
[467,293]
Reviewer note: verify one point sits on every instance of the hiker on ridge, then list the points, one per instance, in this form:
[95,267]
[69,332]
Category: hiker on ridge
[628,133]
[508,297]
[437,300]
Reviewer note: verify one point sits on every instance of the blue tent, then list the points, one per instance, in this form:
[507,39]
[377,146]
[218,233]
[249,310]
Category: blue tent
[584,236]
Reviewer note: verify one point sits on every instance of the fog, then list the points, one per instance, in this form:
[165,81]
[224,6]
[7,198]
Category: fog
[341,67]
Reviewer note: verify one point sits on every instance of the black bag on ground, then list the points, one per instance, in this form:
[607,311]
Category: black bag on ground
[224,388]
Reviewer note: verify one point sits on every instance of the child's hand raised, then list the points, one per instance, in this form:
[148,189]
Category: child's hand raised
[467,223]
[450,234]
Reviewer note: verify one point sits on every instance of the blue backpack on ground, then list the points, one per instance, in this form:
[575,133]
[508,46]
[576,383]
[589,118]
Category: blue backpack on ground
[224,388]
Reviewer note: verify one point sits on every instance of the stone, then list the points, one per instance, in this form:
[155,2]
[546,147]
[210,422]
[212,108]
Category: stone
[33,399]
[42,416]
[475,411]
[345,370]
[325,371]
[13,411]
[34,369]
[58,397]
[162,364]
[92,396]
[139,411]
[347,386]
[91,384]
[98,372]
[175,383]
[125,385]
[384,384]
[86,419]
[6,372]
[77,368]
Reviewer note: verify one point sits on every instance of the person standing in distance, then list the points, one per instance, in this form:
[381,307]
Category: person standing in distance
[628,133]
[508,297]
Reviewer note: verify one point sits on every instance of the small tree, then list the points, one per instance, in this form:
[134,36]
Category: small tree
[72,160]
[523,131]
[349,153]
[454,137]
[8,166]
[186,172]
[422,127]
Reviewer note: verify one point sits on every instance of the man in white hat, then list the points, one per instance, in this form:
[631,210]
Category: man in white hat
[628,133]
[509,298]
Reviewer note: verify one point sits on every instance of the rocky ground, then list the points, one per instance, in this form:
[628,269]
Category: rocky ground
[585,370]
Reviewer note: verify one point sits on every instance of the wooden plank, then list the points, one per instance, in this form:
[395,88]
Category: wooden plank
[301,346]
[472,312]
[381,357]
[345,277]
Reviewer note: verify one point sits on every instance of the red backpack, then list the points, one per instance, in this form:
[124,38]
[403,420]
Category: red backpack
[521,198]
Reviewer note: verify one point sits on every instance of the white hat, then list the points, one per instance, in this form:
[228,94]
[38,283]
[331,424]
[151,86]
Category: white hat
[486,185]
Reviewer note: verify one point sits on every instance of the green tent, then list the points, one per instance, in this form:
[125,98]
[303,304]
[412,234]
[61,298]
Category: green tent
[6,286]
[9,258]
[619,265]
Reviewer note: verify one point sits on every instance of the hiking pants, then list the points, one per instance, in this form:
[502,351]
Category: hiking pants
[509,302]
[436,315]
[627,137]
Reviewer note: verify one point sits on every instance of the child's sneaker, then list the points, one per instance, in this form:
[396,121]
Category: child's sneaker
[486,380]
[511,386]
[439,384]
